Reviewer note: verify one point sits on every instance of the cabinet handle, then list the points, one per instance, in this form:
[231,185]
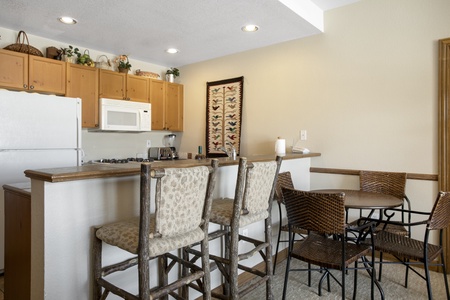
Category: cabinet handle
[31,86]
[25,86]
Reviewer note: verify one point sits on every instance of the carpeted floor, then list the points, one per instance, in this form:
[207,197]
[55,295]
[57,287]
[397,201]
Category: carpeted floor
[392,284]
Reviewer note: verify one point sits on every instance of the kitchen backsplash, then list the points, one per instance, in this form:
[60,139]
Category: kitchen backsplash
[97,145]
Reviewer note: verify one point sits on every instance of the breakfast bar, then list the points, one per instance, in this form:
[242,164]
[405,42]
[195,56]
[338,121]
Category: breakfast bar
[66,203]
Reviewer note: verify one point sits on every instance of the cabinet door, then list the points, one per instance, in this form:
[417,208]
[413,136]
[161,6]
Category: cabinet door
[13,70]
[137,88]
[112,84]
[82,82]
[47,75]
[174,107]
[157,94]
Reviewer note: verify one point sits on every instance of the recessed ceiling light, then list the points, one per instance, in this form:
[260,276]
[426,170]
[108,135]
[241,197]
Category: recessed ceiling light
[67,20]
[250,28]
[172,50]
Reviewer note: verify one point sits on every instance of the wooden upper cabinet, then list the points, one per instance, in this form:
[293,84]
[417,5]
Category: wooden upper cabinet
[21,71]
[46,75]
[137,88]
[82,82]
[157,96]
[13,70]
[174,107]
[112,85]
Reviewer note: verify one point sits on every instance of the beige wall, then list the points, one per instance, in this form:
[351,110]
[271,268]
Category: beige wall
[365,90]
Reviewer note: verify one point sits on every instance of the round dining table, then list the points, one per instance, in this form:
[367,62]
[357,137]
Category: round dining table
[365,200]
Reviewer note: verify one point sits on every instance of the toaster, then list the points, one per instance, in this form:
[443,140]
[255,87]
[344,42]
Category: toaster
[160,153]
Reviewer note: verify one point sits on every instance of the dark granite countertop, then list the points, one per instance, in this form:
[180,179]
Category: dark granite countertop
[90,171]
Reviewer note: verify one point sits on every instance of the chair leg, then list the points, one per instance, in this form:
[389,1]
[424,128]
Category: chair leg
[268,258]
[380,268]
[427,278]
[355,282]
[406,273]
[233,259]
[206,269]
[97,265]
[279,236]
[144,271]
[286,273]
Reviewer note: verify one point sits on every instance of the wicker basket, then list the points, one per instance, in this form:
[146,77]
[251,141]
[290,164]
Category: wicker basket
[104,64]
[146,74]
[20,45]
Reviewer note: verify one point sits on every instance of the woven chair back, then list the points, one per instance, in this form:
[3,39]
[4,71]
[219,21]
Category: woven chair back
[389,183]
[258,186]
[284,180]
[318,212]
[440,215]
[180,200]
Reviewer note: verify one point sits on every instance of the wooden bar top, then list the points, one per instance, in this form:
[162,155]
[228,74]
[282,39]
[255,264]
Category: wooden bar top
[90,171]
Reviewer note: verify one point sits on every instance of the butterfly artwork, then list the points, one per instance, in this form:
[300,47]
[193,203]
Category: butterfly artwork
[224,115]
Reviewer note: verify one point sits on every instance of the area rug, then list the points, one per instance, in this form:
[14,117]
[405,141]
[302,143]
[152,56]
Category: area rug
[392,284]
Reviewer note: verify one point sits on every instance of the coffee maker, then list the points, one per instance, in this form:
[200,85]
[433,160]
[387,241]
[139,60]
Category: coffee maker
[169,141]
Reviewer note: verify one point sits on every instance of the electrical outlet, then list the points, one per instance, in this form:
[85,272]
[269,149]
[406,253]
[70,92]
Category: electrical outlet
[245,232]
[149,143]
[303,135]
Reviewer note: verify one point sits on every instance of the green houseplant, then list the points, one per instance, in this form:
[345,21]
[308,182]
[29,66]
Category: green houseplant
[171,74]
[70,54]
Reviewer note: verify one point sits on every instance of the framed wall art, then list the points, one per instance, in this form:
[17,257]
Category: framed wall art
[223,116]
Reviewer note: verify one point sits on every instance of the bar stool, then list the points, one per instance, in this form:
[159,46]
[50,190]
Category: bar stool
[182,208]
[252,203]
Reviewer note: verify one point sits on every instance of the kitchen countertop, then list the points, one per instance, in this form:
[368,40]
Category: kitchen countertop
[90,171]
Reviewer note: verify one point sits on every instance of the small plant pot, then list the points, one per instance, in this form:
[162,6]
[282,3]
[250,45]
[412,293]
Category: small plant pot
[71,59]
[123,70]
[170,78]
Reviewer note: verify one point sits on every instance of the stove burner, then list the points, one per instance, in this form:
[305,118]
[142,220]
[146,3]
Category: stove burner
[123,160]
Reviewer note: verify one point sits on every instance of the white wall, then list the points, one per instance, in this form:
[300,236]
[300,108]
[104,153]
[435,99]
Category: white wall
[365,90]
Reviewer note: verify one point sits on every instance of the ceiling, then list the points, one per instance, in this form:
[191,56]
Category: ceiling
[144,29]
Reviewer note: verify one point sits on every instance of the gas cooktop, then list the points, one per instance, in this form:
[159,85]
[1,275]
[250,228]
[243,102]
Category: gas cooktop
[121,160]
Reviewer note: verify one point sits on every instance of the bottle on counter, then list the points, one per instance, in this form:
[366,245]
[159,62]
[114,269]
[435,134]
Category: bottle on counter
[199,154]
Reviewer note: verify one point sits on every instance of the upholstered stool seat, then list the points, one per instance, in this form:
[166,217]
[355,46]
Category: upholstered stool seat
[125,235]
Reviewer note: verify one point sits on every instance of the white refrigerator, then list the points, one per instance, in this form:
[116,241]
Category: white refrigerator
[36,132]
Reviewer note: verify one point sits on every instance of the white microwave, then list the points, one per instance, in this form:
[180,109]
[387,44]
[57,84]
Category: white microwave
[120,115]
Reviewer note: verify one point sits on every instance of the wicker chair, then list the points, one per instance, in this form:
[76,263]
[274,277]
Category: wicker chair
[284,180]
[409,251]
[323,215]
[390,183]
[150,236]
[252,203]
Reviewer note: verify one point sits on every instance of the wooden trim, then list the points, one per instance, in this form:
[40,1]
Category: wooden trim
[443,127]
[413,176]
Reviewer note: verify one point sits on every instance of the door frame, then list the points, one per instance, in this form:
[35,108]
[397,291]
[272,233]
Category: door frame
[444,127]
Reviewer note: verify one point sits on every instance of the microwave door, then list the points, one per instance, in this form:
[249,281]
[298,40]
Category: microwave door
[115,118]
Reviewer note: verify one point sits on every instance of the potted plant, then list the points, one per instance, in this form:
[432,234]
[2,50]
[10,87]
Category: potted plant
[70,54]
[122,63]
[171,74]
